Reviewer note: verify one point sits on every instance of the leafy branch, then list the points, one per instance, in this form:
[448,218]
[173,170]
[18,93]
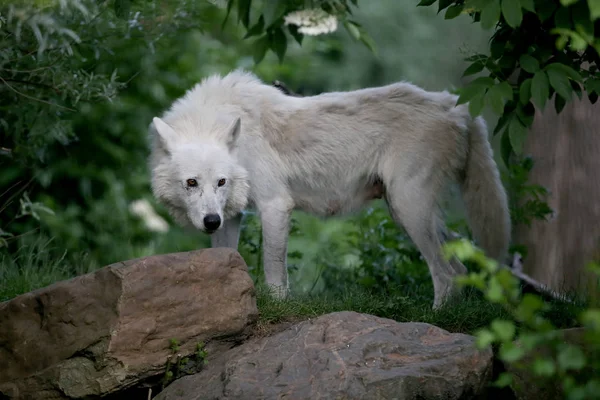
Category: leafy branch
[540,49]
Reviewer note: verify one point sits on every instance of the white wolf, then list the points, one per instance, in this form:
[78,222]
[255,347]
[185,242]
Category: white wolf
[233,142]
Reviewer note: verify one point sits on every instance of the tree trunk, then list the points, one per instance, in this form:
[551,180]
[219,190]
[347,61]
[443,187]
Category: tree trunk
[566,151]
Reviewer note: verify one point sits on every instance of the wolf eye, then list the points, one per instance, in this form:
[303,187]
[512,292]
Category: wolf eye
[191,182]
[221,181]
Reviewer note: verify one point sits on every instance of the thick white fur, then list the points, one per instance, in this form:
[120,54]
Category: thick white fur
[326,154]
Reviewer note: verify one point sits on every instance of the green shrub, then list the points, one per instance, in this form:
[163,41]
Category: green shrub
[528,327]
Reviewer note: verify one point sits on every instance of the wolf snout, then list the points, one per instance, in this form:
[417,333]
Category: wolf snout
[212,222]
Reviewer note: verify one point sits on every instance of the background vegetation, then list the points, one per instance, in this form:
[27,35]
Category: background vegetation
[80,81]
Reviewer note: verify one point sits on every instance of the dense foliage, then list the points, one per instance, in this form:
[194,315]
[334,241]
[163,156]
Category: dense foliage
[527,338]
[82,85]
[540,51]
[80,81]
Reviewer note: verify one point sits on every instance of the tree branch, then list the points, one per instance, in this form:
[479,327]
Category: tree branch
[36,99]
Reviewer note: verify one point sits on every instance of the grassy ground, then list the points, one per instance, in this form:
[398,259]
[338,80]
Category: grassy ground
[467,314]
[35,267]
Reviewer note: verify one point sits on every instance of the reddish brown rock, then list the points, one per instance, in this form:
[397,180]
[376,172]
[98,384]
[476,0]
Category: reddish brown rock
[344,355]
[108,330]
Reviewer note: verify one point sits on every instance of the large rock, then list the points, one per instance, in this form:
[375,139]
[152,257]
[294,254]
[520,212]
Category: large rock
[344,355]
[108,330]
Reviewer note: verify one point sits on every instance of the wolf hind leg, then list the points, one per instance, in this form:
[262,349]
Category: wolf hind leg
[413,205]
[458,266]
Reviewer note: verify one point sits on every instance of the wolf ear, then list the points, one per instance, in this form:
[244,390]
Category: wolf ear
[233,132]
[166,133]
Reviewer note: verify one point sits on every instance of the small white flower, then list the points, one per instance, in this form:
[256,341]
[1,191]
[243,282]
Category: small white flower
[143,209]
[312,22]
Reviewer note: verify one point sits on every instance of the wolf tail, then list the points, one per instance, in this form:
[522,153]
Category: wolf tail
[484,196]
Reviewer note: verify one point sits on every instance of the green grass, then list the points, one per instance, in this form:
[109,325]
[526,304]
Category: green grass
[467,314]
[36,266]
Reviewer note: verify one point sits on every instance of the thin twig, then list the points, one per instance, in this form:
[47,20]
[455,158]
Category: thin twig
[15,71]
[32,83]
[36,99]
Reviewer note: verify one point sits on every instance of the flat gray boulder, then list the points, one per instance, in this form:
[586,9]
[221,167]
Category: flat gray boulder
[344,355]
[109,330]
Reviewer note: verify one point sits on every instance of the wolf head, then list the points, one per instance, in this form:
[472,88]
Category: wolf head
[198,178]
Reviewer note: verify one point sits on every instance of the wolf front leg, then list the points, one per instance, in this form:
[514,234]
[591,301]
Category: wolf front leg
[229,234]
[275,218]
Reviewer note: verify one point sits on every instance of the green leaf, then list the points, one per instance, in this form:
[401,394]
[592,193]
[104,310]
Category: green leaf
[494,291]
[540,89]
[545,9]
[476,57]
[528,5]
[490,15]
[517,135]
[453,11]
[368,41]
[504,380]
[510,352]
[571,357]
[560,83]
[529,341]
[505,148]
[476,4]
[473,89]
[229,6]
[562,18]
[476,104]
[578,43]
[594,6]
[590,318]
[352,29]
[424,3]
[507,61]
[592,85]
[525,115]
[444,4]
[244,12]
[122,8]
[567,3]
[494,99]
[257,28]
[511,10]
[544,367]
[260,48]
[506,279]
[570,72]
[273,10]
[580,13]
[504,330]
[484,81]
[293,30]
[525,91]
[484,338]
[529,64]
[577,88]
[278,43]
[474,68]
[530,305]
[502,122]
[505,90]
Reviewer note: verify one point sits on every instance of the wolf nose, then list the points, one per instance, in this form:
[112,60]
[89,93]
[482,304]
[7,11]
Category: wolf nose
[212,222]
